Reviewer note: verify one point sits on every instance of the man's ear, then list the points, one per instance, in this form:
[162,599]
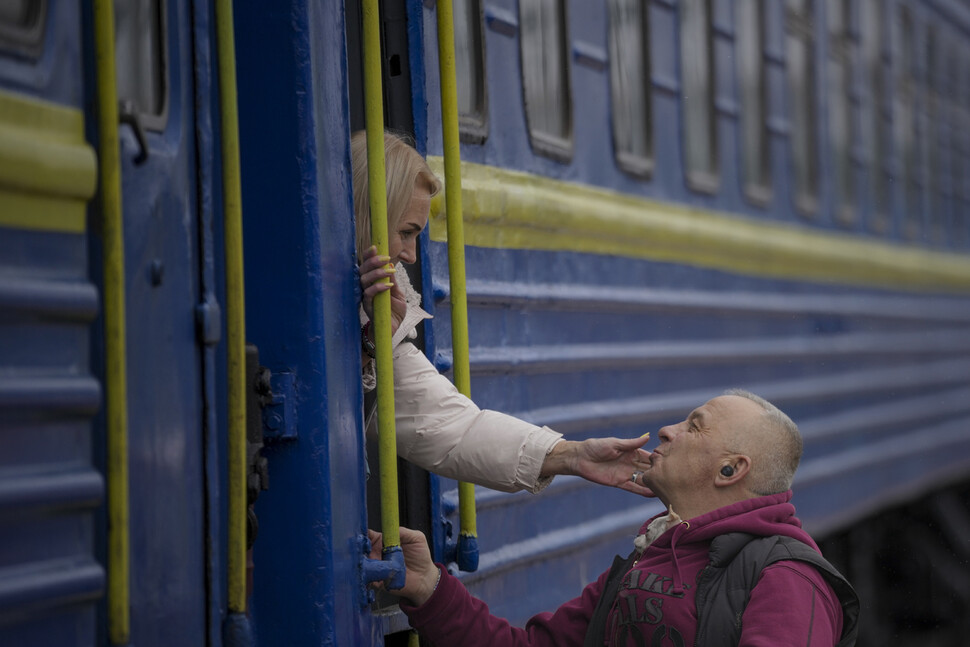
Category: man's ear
[732,470]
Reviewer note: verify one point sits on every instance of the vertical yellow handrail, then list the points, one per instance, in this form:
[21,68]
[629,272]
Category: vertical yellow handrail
[467,547]
[376,182]
[116,377]
[235,308]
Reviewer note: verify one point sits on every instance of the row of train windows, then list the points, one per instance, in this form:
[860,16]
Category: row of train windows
[904,101]
[907,99]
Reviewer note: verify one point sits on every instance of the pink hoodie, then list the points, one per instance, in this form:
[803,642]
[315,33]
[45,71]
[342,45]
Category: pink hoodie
[791,604]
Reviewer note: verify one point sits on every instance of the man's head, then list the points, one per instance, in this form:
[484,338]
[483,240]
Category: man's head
[734,447]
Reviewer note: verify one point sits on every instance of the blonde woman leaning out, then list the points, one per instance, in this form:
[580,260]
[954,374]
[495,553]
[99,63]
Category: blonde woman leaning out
[438,428]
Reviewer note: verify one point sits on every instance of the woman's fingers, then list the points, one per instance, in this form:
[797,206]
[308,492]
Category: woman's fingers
[373,275]
[374,288]
[372,260]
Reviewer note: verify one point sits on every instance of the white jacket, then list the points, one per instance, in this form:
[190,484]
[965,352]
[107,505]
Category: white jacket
[444,432]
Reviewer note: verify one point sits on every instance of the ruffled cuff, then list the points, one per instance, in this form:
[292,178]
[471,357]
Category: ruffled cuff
[541,442]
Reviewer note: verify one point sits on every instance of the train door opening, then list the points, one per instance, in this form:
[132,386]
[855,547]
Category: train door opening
[413,482]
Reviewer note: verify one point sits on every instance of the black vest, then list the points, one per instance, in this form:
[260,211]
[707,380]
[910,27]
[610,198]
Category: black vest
[725,584]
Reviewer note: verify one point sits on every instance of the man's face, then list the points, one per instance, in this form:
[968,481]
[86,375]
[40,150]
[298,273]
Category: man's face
[691,453]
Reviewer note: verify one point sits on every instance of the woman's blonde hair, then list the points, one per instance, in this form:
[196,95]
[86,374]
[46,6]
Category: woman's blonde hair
[403,166]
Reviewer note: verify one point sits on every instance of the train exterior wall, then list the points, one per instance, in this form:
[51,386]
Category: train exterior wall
[603,304]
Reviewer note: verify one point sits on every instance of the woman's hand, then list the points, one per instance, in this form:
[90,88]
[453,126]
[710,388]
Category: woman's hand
[608,461]
[373,269]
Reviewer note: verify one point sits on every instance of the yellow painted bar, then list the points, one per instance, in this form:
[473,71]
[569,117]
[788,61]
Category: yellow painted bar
[513,210]
[48,171]
[116,379]
[456,236]
[42,213]
[377,184]
[235,307]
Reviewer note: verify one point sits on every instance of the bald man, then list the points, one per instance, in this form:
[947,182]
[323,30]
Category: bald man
[727,564]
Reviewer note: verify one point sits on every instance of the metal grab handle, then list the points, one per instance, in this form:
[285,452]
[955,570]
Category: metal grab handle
[377,192]
[116,380]
[237,630]
[128,114]
[467,555]
[390,568]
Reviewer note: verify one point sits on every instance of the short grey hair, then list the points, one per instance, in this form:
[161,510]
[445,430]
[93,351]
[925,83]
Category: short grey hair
[779,452]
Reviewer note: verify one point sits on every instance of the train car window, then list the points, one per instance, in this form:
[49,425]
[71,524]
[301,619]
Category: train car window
[545,77]
[960,127]
[755,155]
[630,86]
[141,55]
[22,26]
[800,52]
[697,93]
[904,122]
[878,128]
[840,57]
[470,70]
[934,125]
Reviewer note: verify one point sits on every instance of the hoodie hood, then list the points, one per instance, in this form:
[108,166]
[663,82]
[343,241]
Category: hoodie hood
[763,516]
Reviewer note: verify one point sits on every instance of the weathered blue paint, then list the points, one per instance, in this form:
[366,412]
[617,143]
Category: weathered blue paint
[56,73]
[588,344]
[302,314]
[166,415]
[211,323]
[50,485]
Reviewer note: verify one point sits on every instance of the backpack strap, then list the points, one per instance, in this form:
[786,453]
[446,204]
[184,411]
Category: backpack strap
[596,632]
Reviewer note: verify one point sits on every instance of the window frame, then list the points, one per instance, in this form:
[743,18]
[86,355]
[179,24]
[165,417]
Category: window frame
[26,40]
[474,128]
[801,29]
[152,121]
[935,119]
[702,181]
[840,57]
[636,165]
[879,137]
[554,146]
[905,118]
[960,223]
[759,193]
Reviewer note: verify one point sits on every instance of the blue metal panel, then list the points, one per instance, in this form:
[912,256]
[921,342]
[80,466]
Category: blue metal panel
[56,73]
[50,491]
[164,260]
[302,292]
[593,345]
[212,285]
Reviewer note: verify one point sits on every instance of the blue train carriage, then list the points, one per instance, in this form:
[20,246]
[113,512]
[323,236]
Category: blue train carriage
[781,205]
[123,518]
[665,199]
[113,486]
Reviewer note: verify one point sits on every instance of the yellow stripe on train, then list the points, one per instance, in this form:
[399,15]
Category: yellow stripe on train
[47,169]
[513,210]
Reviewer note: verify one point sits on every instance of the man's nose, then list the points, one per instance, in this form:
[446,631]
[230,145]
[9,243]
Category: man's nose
[666,433]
